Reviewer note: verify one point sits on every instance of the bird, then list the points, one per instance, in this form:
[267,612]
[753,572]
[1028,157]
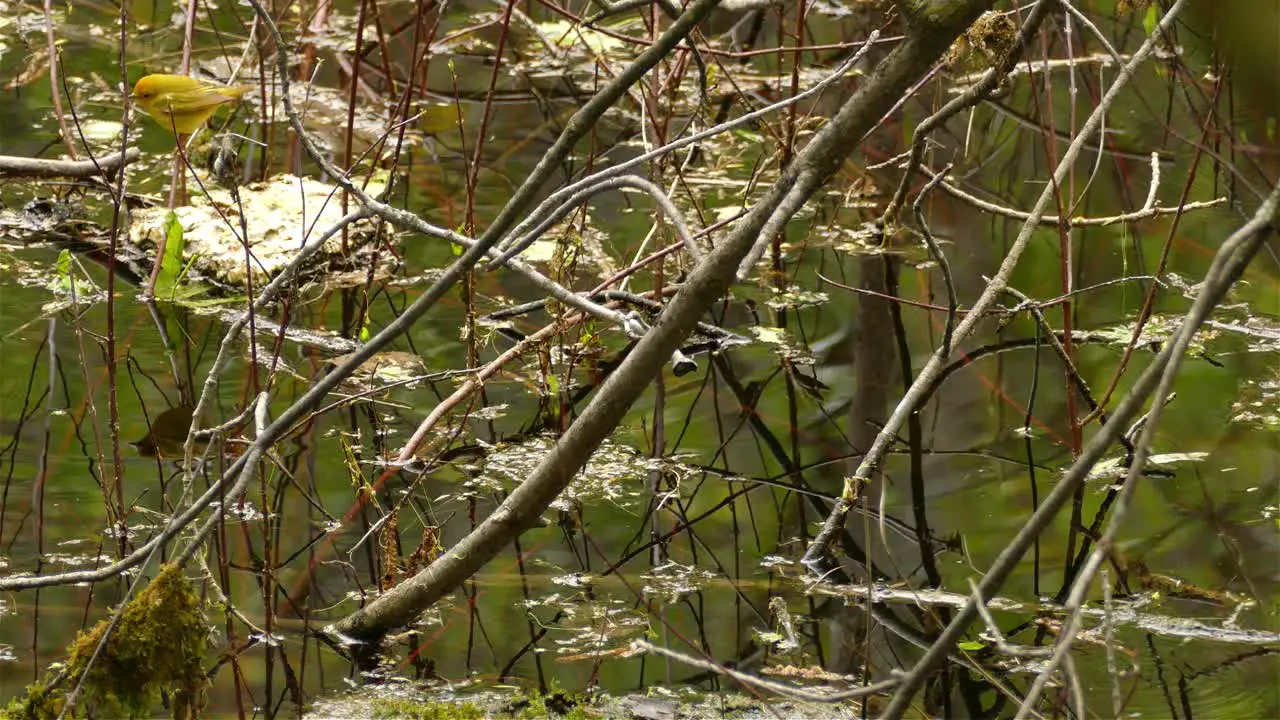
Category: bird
[181,103]
[169,434]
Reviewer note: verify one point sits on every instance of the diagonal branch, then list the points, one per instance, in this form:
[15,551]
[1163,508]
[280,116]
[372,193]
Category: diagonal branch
[818,557]
[812,169]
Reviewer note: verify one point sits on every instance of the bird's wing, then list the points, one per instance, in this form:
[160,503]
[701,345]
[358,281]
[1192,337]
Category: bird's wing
[198,99]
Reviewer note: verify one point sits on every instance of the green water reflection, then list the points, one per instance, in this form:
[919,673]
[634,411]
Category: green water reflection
[1208,519]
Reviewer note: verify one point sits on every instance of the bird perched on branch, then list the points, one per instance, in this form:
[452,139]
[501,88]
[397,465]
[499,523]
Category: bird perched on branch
[181,103]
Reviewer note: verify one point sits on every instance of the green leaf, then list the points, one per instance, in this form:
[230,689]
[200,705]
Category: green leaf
[62,280]
[190,299]
[971,645]
[171,264]
[1149,21]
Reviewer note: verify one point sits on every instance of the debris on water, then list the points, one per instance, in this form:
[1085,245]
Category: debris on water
[41,220]
[384,368]
[279,215]
[615,473]
[673,582]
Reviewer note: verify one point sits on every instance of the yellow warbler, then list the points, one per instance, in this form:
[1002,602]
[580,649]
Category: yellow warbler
[180,103]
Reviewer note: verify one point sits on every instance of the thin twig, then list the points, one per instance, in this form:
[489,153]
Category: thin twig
[816,557]
[1228,264]
[939,257]
[519,245]
[747,679]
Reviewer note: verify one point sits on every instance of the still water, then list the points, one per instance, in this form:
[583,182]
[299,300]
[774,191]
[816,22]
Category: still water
[1195,571]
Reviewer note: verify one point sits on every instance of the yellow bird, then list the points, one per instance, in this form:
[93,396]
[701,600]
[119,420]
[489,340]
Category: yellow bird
[180,103]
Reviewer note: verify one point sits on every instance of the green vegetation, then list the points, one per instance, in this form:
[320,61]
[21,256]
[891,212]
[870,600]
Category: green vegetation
[385,708]
[553,704]
[158,646]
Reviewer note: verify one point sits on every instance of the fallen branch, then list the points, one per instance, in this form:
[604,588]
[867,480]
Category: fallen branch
[14,167]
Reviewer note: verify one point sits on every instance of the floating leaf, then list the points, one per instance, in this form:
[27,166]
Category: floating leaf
[383,368]
[615,474]
[795,297]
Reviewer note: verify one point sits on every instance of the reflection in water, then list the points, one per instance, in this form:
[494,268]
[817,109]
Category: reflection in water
[687,524]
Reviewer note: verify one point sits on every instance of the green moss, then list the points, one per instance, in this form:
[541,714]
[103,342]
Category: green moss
[38,703]
[383,708]
[158,645]
[553,704]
